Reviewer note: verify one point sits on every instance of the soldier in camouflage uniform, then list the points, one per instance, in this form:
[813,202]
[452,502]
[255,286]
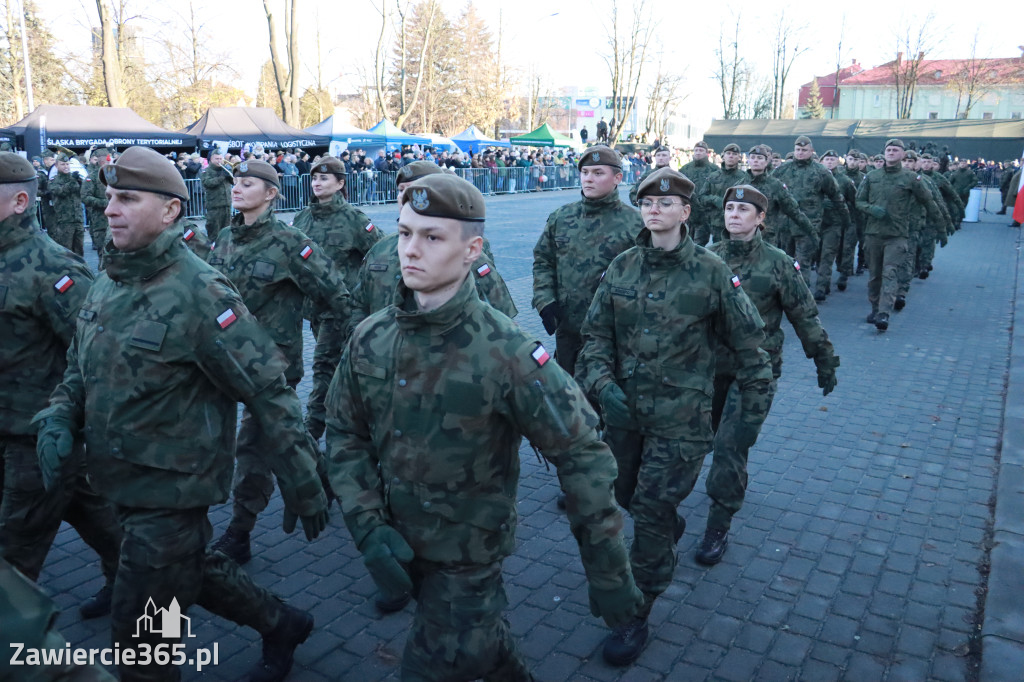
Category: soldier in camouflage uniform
[963,179]
[851,254]
[709,195]
[216,181]
[95,201]
[698,171]
[834,232]
[424,420]
[195,238]
[954,207]
[811,184]
[163,352]
[346,235]
[649,362]
[770,278]
[28,617]
[42,286]
[662,157]
[889,197]
[48,218]
[275,269]
[66,196]
[922,234]
[579,241]
[780,201]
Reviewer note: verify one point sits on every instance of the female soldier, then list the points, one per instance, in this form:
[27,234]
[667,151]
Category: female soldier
[772,281]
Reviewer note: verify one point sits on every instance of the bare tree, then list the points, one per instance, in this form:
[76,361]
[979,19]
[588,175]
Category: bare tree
[907,71]
[786,48]
[839,68]
[662,98]
[972,81]
[109,56]
[731,71]
[626,62]
[379,64]
[407,100]
[286,79]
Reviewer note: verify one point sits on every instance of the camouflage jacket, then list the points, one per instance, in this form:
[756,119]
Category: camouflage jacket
[855,175]
[343,232]
[42,286]
[276,267]
[381,273]
[898,191]
[773,282]
[217,182]
[66,197]
[579,241]
[711,196]
[934,229]
[94,196]
[424,420]
[954,207]
[196,239]
[963,180]
[163,353]
[651,328]
[698,172]
[780,202]
[848,192]
[811,183]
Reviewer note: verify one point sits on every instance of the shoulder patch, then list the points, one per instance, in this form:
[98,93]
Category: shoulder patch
[735,281]
[796,264]
[369,227]
[189,234]
[540,355]
[306,252]
[483,270]
[63,284]
[213,245]
[226,318]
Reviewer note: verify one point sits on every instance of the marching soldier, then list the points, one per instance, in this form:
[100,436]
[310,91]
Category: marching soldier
[216,181]
[698,171]
[66,194]
[710,194]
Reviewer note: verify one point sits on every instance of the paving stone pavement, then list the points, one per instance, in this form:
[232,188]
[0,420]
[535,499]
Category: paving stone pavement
[855,557]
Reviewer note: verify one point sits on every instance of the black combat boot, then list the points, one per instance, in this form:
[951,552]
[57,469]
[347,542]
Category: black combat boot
[680,527]
[234,544]
[841,283]
[712,547]
[624,645]
[882,321]
[900,303]
[98,604]
[923,274]
[280,643]
[819,296]
[871,317]
[388,604]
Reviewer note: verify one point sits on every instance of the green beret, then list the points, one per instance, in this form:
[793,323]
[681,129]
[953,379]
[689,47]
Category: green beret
[416,170]
[830,152]
[443,195]
[926,156]
[142,169]
[14,168]
[662,148]
[761,150]
[789,155]
[746,194]
[666,182]
[47,154]
[329,164]
[600,155]
[732,147]
[258,169]
[702,144]
[895,142]
[912,155]
[803,141]
[64,157]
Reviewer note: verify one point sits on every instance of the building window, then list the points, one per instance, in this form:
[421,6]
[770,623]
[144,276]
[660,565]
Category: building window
[878,100]
[987,115]
[933,115]
[1015,115]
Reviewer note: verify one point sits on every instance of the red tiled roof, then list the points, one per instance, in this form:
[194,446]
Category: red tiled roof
[826,84]
[942,71]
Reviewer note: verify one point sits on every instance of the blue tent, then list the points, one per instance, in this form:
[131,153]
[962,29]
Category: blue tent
[472,140]
[350,135]
[395,137]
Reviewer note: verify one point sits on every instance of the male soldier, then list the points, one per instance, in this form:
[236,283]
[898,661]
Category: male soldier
[833,232]
[95,200]
[662,157]
[698,171]
[1004,184]
[649,361]
[346,235]
[42,286]
[888,197]
[810,184]
[216,181]
[922,233]
[709,195]
[48,218]
[66,194]
[776,160]
[579,241]
[1011,196]
[163,352]
[931,233]
[275,268]
[954,207]
[424,420]
[963,180]
[853,247]
[195,238]
[780,201]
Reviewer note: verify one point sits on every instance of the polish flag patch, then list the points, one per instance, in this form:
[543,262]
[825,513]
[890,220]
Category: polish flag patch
[735,281]
[64,283]
[306,252]
[540,355]
[213,246]
[189,234]
[369,227]
[796,264]
[226,318]
[483,270]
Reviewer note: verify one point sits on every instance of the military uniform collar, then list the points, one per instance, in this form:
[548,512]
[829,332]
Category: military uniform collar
[736,247]
[604,203]
[443,318]
[241,233]
[659,257]
[148,261]
[321,208]
[802,162]
[15,229]
[892,169]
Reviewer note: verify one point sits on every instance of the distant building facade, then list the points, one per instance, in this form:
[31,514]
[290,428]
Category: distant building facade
[830,94]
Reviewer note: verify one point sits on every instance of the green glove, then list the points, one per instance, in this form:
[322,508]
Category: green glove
[385,553]
[312,524]
[614,408]
[617,606]
[943,240]
[53,448]
[827,372]
[876,211]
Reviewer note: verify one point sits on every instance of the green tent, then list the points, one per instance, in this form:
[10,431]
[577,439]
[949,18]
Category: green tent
[543,137]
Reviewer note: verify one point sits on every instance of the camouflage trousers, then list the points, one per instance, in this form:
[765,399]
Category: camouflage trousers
[926,249]
[848,248]
[831,236]
[726,483]
[908,268]
[805,250]
[655,475]
[97,231]
[69,235]
[458,631]
[217,218]
[885,257]
[330,335]
[163,559]
[568,344]
[30,516]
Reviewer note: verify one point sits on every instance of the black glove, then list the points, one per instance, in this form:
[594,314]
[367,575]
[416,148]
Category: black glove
[827,372]
[614,409]
[551,316]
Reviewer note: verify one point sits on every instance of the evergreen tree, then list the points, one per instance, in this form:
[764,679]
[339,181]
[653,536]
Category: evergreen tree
[814,108]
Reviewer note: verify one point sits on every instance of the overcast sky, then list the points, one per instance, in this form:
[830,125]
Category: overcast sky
[564,40]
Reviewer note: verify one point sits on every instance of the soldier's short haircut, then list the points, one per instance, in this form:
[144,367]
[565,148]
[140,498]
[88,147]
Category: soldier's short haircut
[472,228]
[29,187]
